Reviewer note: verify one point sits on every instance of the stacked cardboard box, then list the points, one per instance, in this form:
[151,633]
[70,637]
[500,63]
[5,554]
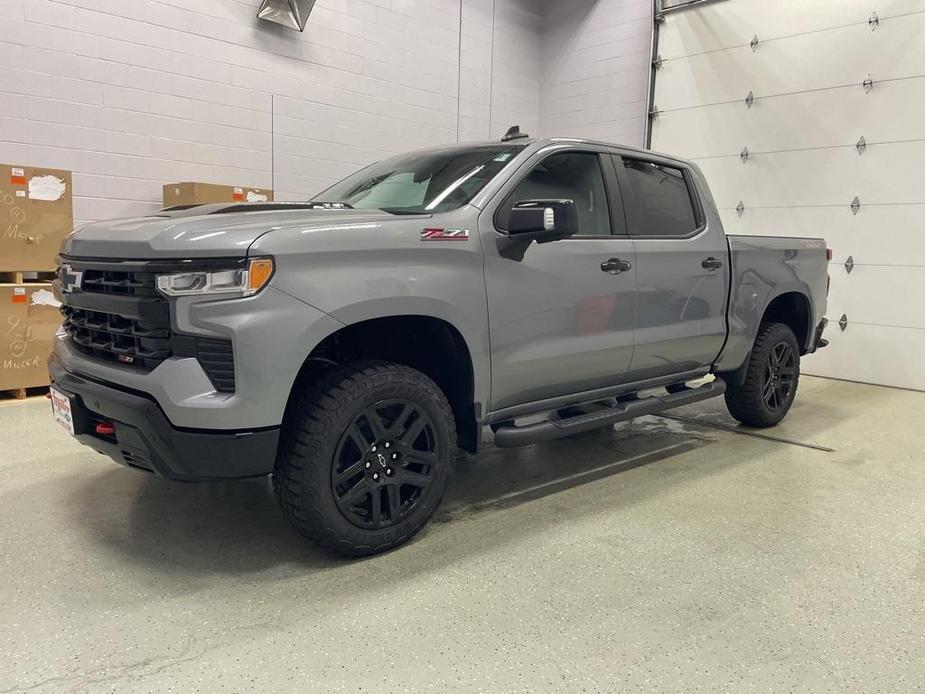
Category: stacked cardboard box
[29,318]
[192,193]
[36,214]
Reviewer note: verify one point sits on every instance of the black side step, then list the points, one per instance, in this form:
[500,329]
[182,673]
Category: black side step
[513,436]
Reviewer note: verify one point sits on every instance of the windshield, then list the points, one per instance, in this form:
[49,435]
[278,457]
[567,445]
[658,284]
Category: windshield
[422,182]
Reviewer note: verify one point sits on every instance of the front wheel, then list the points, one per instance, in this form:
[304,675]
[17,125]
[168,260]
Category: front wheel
[771,378]
[365,457]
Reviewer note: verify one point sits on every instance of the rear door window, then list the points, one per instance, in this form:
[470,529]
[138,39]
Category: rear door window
[661,197]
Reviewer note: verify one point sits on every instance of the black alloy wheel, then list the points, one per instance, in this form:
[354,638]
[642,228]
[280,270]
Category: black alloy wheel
[763,394]
[366,452]
[384,464]
[778,377]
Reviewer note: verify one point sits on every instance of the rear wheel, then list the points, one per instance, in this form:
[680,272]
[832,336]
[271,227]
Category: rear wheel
[771,378]
[365,457]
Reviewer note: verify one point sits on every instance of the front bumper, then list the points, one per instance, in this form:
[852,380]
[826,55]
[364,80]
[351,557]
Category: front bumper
[272,334]
[144,438]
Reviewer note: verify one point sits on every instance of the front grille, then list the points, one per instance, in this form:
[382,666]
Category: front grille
[117,338]
[118,316]
[120,282]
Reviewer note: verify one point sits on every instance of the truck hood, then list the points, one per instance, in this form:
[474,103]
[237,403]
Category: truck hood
[220,230]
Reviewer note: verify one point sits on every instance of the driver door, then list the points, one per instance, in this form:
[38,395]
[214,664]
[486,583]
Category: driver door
[559,323]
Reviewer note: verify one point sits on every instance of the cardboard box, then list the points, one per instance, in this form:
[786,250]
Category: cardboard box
[29,318]
[192,193]
[36,213]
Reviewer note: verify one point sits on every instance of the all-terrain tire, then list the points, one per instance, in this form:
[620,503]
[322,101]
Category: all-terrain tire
[750,402]
[314,431]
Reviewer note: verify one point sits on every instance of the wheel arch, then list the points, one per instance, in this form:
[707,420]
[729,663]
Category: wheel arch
[430,344]
[793,309]
[791,306]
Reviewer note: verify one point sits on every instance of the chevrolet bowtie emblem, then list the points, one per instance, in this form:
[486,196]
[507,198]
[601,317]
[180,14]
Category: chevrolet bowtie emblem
[71,279]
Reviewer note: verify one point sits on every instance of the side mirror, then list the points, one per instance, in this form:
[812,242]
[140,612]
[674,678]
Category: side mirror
[543,220]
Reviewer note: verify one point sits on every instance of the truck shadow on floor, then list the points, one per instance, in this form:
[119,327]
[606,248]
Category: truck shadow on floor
[237,527]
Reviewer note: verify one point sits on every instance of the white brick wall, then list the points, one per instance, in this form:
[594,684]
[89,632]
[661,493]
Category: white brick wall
[519,28]
[595,69]
[130,94]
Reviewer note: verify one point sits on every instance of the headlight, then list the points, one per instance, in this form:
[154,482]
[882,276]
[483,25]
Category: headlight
[241,282]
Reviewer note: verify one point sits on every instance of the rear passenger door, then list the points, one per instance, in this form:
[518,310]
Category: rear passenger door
[682,269]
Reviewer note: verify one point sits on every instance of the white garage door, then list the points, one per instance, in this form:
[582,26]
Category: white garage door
[805,63]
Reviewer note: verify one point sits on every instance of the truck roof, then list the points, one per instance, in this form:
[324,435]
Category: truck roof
[535,143]
[532,144]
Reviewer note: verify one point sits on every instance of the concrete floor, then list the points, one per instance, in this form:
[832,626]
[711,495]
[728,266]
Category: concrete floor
[662,555]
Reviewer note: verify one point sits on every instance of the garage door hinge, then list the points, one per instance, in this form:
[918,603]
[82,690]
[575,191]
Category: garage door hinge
[874,21]
[657,63]
[843,322]
[861,145]
[659,19]
[740,208]
[749,99]
[849,264]
[653,114]
[754,44]
[868,84]
[856,205]
[744,155]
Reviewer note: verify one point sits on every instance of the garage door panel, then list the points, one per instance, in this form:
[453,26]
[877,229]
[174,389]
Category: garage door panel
[885,174]
[797,121]
[821,60]
[878,294]
[871,354]
[878,235]
[720,25]
[803,169]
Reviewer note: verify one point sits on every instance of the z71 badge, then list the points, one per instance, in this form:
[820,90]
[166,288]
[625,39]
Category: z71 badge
[445,235]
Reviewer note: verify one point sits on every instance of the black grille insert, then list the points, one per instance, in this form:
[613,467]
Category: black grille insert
[118,315]
[118,338]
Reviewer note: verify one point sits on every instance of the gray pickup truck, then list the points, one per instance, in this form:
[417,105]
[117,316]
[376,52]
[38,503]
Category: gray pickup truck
[351,344]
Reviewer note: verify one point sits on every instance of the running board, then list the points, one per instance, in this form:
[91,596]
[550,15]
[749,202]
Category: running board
[513,436]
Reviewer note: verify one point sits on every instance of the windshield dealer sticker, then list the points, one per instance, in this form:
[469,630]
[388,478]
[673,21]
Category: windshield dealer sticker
[445,235]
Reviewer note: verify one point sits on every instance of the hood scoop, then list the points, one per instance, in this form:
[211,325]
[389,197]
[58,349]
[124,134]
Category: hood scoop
[200,210]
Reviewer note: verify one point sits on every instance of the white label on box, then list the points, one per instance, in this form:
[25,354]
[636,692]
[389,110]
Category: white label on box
[20,193]
[43,297]
[18,172]
[47,188]
[19,291]
[254,196]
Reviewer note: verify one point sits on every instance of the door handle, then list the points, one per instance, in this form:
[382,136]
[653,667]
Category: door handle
[615,266]
[711,263]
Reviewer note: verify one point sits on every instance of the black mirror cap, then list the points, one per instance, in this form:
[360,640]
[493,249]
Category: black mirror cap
[543,220]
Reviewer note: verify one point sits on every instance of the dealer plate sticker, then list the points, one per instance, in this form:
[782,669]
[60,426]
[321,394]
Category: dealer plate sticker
[61,408]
